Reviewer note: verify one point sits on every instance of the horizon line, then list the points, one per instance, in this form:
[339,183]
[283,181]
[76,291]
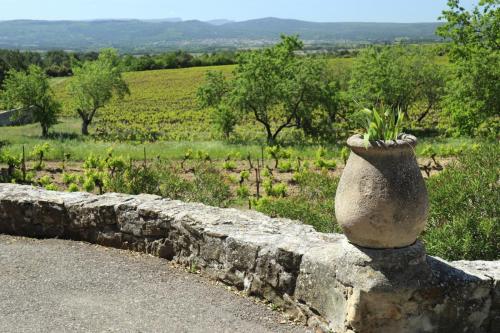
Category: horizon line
[181,20]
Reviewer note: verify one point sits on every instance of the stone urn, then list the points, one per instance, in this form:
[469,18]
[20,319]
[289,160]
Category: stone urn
[381,200]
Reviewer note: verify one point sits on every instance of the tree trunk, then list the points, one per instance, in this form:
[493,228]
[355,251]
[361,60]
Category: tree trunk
[423,115]
[45,131]
[275,136]
[85,127]
[270,137]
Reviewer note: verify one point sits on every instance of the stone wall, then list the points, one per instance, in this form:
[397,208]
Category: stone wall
[320,278]
[6,118]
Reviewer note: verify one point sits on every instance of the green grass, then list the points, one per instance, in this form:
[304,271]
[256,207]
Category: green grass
[67,140]
[70,142]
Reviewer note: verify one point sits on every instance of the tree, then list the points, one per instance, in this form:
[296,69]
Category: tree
[398,77]
[278,88]
[30,92]
[473,98]
[94,84]
[57,63]
[212,94]
[17,60]
[225,120]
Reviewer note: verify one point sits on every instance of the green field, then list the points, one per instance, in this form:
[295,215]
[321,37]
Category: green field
[162,106]
[79,148]
[67,140]
[162,116]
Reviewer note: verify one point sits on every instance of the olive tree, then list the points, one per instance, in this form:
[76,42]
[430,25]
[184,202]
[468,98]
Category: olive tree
[276,87]
[94,84]
[398,77]
[30,92]
[473,99]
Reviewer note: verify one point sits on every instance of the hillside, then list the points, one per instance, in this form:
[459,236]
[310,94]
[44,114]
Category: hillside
[139,36]
[162,105]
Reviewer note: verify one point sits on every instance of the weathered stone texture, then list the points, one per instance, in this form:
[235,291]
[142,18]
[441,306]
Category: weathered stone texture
[321,278]
[381,201]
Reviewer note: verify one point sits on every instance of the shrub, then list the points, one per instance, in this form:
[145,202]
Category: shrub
[47,183]
[94,174]
[73,188]
[464,218]
[233,179]
[313,204]
[172,185]
[30,176]
[45,180]
[209,187]
[244,175]
[274,190]
[243,192]
[203,156]
[225,120]
[266,172]
[320,216]
[13,163]
[274,153]
[229,165]
[277,153]
[39,151]
[325,164]
[88,185]
[285,166]
[321,162]
[51,187]
[69,178]
[141,179]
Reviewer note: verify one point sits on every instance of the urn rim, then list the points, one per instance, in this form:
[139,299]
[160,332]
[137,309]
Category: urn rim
[404,141]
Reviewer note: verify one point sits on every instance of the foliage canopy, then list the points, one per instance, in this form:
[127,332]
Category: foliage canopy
[30,92]
[278,88]
[398,77]
[473,99]
[94,84]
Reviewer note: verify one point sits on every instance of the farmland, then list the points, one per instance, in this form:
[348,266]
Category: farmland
[158,140]
[161,115]
[162,106]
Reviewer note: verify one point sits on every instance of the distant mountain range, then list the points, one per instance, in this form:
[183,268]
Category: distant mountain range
[174,33]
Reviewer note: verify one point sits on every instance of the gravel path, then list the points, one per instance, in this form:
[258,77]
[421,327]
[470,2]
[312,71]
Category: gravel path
[64,286]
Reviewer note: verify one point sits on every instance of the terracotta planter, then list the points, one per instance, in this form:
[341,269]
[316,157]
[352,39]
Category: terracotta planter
[381,200]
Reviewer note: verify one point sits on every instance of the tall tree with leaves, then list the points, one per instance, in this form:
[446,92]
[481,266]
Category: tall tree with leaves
[30,92]
[212,94]
[398,77]
[278,88]
[94,84]
[473,99]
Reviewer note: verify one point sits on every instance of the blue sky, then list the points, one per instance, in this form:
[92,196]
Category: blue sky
[312,10]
